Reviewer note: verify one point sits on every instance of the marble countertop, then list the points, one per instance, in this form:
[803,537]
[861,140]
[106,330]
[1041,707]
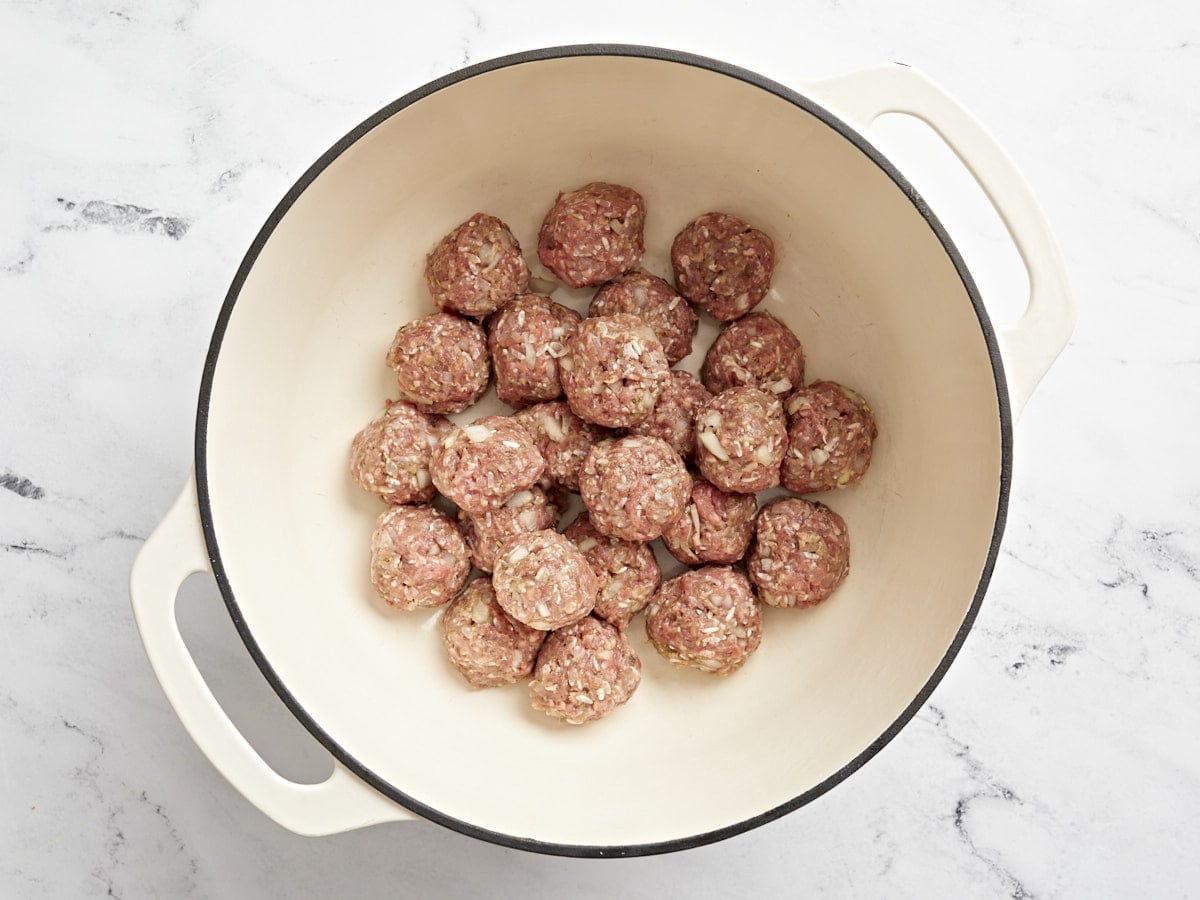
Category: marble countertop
[141,146]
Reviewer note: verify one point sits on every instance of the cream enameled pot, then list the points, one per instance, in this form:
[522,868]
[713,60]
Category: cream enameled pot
[866,276]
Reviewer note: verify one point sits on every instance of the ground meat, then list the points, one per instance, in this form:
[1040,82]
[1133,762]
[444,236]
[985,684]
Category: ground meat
[716,527]
[527,339]
[584,672]
[543,580]
[441,362]
[485,643]
[759,351]
[801,553]
[481,466]
[722,265]
[634,487]
[418,557]
[563,439]
[830,438]
[628,571]
[476,268]
[707,619]
[525,511]
[390,456]
[614,370]
[741,436]
[594,234]
[656,302]
[674,416]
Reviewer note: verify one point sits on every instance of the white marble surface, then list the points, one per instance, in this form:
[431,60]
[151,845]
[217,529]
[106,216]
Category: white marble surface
[142,144]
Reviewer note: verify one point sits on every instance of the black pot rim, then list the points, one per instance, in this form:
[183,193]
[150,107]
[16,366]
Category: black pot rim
[210,537]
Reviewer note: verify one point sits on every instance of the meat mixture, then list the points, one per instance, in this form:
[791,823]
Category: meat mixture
[706,618]
[716,527]
[628,571]
[756,351]
[801,553]
[594,234]
[829,440]
[481,466]
[584,672]
[563,439]
[543,580]
[674,416]
[741,436]
[525,511]
[722,265]
[485,644]
[476,268]
[527,338]
[614,370]
[655,301]
[418,557]
[441,362]
[634,487]
[390,456]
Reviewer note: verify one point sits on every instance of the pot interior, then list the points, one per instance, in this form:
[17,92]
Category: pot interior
[862,278]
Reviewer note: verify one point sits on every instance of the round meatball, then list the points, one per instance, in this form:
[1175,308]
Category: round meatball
[674,416]
[476,268]
[614,370]
[653,300]
[722,265]
[829,440]
[634,487]
[629,573]
[801,553]
[481,466]
[525,511]
[741,436]
[487,646]
[707,619]
[418,557]
[390,456]
[584,672]
[755,351]
[716,527]
[543,580]
[594,234]
[441,362]
[563,439]
[527,339]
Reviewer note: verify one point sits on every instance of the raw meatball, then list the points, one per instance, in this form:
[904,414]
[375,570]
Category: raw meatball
[563,439]
[485,643]
[741,436]
[543,580]
[628,571]
[481,466]
[525,511]
[674,416]
[418,557]
[653,300]
[527,339]
[584,672]
[716,527]
[594,234]
[441,362]
[722,265]
[634,487]
[390,456]
[759,351]
[476,268]
[801,553]
[614,370]
[830,438]
[707,619]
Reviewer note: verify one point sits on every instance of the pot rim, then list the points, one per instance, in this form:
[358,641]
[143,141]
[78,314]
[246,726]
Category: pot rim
[340,146]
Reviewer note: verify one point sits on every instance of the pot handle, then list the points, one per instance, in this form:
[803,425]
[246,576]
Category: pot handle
[1031,345]
[174,551]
